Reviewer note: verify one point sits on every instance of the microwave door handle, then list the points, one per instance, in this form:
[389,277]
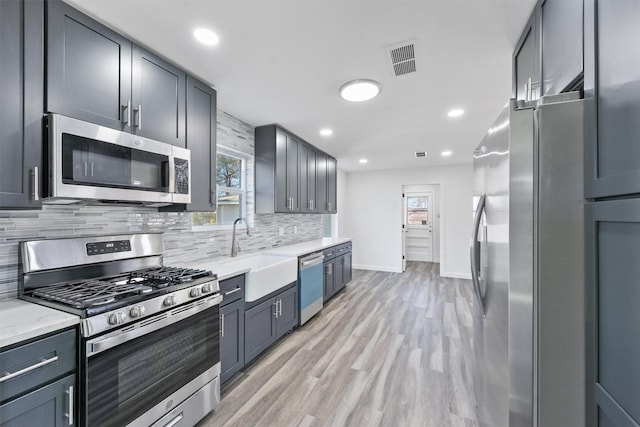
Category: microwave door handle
[475,254]
[172,174]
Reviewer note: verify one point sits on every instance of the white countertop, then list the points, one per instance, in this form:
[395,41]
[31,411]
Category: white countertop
[226,267]
[21,320]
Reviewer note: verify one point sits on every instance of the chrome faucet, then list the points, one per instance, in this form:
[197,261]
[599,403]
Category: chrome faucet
[235,245]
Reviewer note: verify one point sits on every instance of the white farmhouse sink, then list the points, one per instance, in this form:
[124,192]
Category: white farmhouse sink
[267,273]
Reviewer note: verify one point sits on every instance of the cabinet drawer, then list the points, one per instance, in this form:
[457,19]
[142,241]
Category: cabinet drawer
[232,289]
[344,248]
[329,253]
[39,362]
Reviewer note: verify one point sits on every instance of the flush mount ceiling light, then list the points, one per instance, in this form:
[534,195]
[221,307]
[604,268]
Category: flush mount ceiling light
[457,112]
[446,153]
[360,90]
[363,161]
[326,132]
[206,37]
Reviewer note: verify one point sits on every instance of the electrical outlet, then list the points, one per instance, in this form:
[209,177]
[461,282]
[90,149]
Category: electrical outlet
[281,231]
[295,229]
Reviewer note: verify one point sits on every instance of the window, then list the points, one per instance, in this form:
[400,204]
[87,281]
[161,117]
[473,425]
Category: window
[231,191]
[417,210]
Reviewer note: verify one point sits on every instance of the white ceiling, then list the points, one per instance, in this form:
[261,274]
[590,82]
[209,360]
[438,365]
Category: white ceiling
[282,61]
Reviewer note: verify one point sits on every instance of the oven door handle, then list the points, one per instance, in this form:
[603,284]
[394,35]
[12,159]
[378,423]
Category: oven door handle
[149,325]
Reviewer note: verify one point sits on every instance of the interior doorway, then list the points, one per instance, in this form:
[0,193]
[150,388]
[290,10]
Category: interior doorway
[420,223]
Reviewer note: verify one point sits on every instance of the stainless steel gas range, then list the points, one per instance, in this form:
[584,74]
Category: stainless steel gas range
[150,343]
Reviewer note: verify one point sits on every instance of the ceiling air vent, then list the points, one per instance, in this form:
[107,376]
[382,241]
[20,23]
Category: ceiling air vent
[403,58]
[421,154]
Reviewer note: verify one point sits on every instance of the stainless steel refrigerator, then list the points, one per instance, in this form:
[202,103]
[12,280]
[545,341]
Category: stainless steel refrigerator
[527,262]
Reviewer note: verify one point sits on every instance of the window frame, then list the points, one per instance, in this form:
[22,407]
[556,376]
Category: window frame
[243,191]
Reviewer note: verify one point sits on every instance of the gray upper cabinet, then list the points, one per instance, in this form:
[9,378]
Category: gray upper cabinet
[561,33]
[292,176]
[201,141]
[158,97]
[97,75]
[548,58]
[612,98]
[21,103]
[526,74]
[88,69]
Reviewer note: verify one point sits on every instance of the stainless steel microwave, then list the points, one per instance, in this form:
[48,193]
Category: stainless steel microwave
[87,162]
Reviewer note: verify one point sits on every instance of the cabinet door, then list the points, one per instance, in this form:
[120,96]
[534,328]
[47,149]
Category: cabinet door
[339,275]
[311,179]
[561,44]
[329,267]
[303,172]
[612,98]
[259,329]
[332,181]
[613,295]
[88,68]
[158,98]
[347,272]
[21,103]
[201,141]
[526,78]
[231,339]
[288,311]
[287,173]
[46,407]
[321,183]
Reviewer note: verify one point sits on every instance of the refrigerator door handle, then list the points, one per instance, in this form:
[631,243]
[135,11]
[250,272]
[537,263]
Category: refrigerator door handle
[475,254]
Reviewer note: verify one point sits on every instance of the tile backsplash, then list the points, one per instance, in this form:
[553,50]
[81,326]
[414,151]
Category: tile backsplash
[181,243]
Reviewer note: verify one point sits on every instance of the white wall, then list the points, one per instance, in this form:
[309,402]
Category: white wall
[372,216]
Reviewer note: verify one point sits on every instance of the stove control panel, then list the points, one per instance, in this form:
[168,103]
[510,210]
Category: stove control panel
[101,248]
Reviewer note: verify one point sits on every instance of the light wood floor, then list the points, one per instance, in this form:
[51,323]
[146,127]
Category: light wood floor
[390,350]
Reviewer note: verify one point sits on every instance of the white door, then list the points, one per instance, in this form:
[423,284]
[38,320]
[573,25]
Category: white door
[418,226]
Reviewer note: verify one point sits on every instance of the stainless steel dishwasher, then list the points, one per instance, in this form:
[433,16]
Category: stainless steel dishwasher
[310,285]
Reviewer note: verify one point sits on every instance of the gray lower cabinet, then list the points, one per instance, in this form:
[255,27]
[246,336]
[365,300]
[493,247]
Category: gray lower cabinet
[97,75]
[231,339]
[38,382]
[613,297]
[612,98]
[21,103]
[46,407]
[337,269]
[269,320]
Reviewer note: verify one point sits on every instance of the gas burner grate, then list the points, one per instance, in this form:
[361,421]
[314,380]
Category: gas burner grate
[161,277]
[91,293]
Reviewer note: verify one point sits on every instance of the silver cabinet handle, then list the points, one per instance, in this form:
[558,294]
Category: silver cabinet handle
[279,307]
[313,205]
[175,421]
[35,175]
[475,253]
[139,117]
[91,168]
[233,291]
[86,171]
[43,362]
[126,118]
[70,405]
[275,310]
[222,325]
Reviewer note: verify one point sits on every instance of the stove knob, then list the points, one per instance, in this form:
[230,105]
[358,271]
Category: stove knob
[137,311]
[195,292]
[206,288]
[117,318]
[169,301]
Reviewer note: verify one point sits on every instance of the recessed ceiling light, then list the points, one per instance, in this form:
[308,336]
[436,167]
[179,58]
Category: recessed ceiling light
[206,36]
[360,90]
[455,112]
[363,161]
[326,132]
[446,153]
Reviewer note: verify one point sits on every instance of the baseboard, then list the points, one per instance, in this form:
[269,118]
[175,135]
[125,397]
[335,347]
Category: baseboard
[455,275]
[376,268]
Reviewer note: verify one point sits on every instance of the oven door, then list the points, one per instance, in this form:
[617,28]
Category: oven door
[140,372]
